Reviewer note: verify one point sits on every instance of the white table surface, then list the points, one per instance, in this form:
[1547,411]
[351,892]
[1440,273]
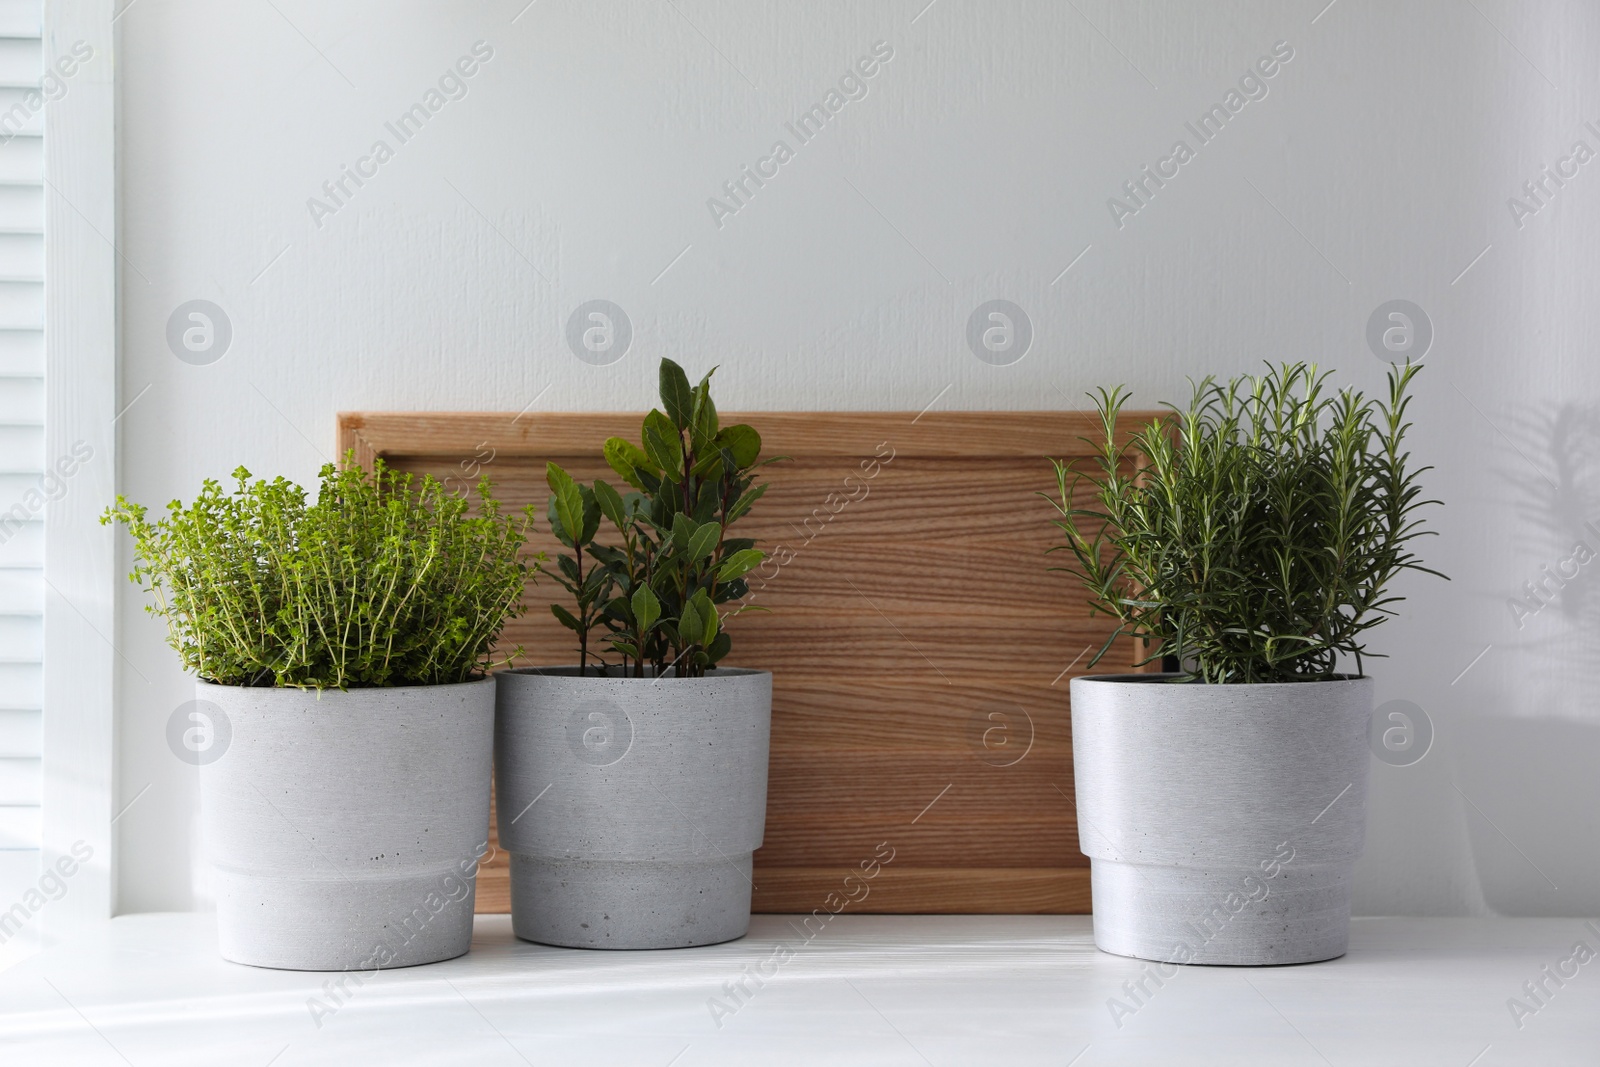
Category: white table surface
[881,990]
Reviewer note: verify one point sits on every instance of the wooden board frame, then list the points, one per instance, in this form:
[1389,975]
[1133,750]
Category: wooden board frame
[893,736]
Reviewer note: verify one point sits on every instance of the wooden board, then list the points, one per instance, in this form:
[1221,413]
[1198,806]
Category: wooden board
[920,650]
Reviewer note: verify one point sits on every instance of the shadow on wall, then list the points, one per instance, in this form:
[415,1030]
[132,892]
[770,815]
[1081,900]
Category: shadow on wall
[1531,790]
[1555,612]
[1530,778]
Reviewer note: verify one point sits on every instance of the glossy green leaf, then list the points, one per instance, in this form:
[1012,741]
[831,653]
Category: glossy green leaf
[742,440]
[646,608]
[739,564]
[591,514]
[709,466]
[556,526]
[595,582]
[610,503]
[683,529]
[746,502]
[677,399]
[703,425]
[628,460]
[708,611]
[654,592]
[606,554]
[698,623]
[568,501]
[569,569]
[663,445]
[565,617]
[704,541]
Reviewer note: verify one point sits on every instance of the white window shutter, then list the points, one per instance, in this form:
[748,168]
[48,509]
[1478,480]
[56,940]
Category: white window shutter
[21,444]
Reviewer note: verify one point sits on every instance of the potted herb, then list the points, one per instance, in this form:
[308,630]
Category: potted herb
[1251,540]
[633,784]
[341,649]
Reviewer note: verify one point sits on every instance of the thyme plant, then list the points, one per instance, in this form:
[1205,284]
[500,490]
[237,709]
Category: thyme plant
[655,594]
[1253,535]
[376,583]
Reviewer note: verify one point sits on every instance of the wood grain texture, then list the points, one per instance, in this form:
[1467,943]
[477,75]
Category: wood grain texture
[919,646]
[954,434]
[493,895]
[900,890]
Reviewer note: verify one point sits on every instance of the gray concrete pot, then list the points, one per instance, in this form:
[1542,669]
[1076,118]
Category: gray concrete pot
[1222,822]
[630,807]
[344,830]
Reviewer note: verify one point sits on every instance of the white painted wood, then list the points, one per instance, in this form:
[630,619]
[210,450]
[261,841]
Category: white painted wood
[21,208]
[81,380]
[21,255]
[19,62]
[21,308]
[12,486]
[22,409]
[21,449]
[21,545]
[20,732]
[19,781]
[19,870]
[21,636]
[22,351]
[20,828]
[21,591]
[22,684]
[22,159]
[21,398]
[29,121]
[888,991]
[19,18]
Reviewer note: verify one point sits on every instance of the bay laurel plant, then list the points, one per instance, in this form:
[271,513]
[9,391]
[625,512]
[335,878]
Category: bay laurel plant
[1253,535]
[650,597]
[378,582]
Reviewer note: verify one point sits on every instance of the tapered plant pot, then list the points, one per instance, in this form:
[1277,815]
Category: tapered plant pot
[1222,822]
[630,806]
[344,829]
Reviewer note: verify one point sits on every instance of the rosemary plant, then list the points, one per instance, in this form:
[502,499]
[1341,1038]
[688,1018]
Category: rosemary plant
[1252,536]
[377,583]
[656,594]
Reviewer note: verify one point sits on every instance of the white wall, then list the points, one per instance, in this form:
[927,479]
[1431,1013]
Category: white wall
[978,166]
